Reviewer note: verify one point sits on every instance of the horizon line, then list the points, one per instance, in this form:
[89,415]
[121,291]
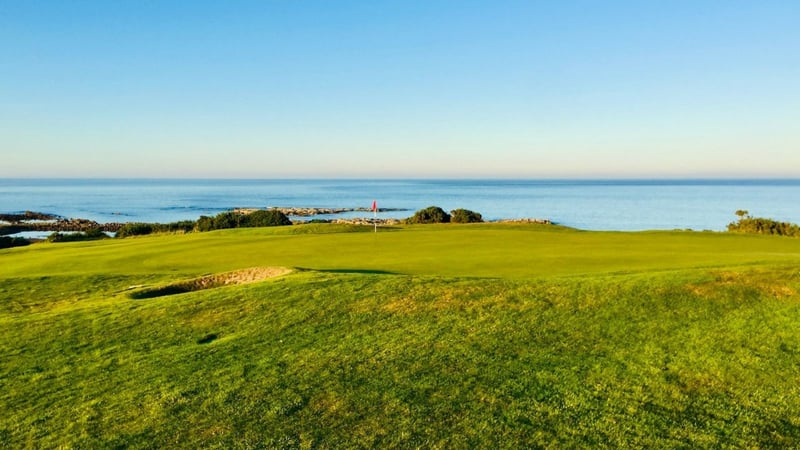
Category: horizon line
[426,178]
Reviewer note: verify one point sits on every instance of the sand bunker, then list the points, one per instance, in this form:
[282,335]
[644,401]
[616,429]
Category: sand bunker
[245,276]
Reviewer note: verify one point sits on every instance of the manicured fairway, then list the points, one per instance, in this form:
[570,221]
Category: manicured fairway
[485,250]
[427,336]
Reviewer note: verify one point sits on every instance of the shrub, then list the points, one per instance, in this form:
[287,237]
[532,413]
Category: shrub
[8,242]
[185,226]
[204,223]
[431,214]
[230,219]
[141,229]
[465,216]
[89,235]
[13,229]
[758,225]
[226,220]
[265,218]
[135,229]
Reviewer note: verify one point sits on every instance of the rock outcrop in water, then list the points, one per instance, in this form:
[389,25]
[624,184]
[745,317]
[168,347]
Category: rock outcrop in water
[28,216]
[36,221]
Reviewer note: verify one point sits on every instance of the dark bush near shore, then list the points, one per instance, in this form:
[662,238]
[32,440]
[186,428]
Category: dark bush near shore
[8,242]
[186,226]
[465,216]
[431,214]
[141,229]
[135,229]
[758,225]
[260,218]
[225,220]
[268,218]
[221,221]
[90,235]
[13,229]
[205,223]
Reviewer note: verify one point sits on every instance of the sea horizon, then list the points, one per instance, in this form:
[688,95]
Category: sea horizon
[646,179]
[622,204]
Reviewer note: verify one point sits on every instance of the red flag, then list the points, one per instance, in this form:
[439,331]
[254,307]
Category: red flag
[374,206]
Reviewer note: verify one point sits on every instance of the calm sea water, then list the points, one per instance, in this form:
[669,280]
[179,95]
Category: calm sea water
[585,204]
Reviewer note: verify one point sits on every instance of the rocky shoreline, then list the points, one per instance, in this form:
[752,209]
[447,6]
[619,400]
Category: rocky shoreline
[307,212]
[37,221]
[28,216]
[526,220]
[57,225]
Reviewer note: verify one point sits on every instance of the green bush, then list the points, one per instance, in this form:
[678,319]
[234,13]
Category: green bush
[141,229]
[225,220]
[204,223]
[13,229]
[185,226]
[89,235]
[265,218]
[465,216]
[431,214]
[758,225]
[8,242]
[230,219]
[135,229]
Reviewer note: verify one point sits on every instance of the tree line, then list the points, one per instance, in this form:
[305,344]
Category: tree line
[225,220]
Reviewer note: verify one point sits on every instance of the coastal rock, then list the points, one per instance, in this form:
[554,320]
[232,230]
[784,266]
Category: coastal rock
[28,216]
[525,220]
[76,225]
[37,221]
[367,221]
[306,212]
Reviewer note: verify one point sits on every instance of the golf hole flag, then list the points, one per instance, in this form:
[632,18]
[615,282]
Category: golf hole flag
[375,214]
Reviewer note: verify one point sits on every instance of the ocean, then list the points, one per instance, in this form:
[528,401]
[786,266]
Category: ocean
[625,205]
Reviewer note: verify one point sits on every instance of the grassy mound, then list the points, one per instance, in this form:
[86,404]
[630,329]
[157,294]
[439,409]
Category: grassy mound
[466,336]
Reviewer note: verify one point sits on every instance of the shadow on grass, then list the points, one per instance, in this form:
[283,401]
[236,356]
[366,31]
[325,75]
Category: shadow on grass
[207,339]
[359,271]
[161,292]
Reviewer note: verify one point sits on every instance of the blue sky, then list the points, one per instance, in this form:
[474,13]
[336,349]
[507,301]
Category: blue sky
[400,89]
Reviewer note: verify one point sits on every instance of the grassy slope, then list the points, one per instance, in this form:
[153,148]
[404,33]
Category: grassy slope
[426,336]
[480,251]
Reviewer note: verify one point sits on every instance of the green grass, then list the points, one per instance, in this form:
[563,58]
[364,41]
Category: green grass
[427,336]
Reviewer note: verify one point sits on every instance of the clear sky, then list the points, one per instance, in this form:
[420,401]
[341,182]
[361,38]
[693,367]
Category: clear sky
[531,89]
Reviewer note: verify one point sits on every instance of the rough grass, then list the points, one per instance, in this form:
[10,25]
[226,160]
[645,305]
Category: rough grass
[434,337]
[244,276]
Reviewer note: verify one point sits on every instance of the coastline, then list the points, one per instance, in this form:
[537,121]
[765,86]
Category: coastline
[601,205]
[12,224]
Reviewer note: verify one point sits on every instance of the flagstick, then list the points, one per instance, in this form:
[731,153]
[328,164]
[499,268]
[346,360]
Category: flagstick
[375,214]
